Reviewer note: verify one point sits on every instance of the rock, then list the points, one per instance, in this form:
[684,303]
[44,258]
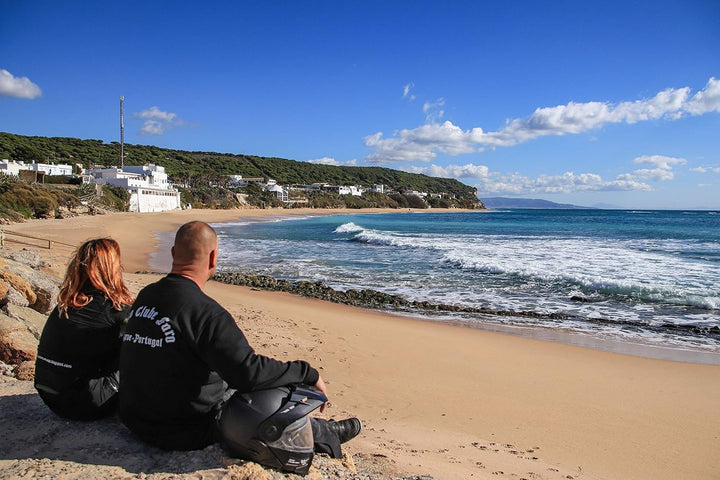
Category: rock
[248,471]
[39,288]
[17,343]
[31,258]
[47,291]
[25,371]
[13,297]
[17,282]
[6,370]
[33,320]
[349,463]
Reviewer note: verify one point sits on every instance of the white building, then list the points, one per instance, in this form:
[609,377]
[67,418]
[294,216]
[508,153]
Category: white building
[148,186]
[344,190]
[416,193]
[279,192]
[235,180]
[11,167]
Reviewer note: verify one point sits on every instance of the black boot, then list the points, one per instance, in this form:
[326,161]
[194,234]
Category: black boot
[345,429]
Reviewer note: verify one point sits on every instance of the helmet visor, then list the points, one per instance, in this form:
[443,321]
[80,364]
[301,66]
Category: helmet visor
[297,437]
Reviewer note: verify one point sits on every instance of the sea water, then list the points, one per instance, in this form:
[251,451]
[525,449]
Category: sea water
[647,278]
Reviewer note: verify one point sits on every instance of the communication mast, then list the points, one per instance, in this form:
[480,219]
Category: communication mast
[122,134]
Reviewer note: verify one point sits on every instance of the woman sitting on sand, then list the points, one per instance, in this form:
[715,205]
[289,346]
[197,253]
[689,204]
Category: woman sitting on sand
[76,371]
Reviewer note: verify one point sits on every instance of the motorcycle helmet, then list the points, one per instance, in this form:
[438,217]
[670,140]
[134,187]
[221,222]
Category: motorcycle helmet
[272,427]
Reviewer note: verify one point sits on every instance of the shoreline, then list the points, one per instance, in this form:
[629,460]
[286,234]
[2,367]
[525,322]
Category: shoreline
[457,402]
[159,261]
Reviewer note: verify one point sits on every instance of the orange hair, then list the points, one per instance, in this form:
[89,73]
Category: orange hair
[96,264]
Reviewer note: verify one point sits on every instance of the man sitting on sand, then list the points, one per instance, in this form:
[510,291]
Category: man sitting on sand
[183,356]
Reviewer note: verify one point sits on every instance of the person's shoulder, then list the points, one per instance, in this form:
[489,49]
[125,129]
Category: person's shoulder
[171,282]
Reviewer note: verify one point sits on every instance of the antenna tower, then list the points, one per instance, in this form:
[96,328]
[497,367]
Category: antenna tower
[122,134]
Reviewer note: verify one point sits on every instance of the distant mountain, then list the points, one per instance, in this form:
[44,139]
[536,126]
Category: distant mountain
[607,206]
[502,202]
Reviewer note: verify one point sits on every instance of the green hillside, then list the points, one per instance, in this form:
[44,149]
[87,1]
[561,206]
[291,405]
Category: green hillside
[183,165]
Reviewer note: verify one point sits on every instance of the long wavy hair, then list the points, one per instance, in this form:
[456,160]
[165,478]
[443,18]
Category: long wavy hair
[95,266]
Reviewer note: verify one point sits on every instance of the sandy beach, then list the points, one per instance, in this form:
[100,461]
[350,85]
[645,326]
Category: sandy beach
[449,401]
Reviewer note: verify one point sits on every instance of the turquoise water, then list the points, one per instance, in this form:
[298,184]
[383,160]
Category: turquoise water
[636,276]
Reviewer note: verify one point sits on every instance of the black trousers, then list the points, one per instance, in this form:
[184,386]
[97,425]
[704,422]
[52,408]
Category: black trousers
[97,398]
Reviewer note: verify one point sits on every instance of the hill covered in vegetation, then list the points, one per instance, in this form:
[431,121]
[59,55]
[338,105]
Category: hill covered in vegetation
[191,167]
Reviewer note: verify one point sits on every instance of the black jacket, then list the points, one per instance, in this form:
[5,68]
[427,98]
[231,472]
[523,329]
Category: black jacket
[82,346]
[181,350]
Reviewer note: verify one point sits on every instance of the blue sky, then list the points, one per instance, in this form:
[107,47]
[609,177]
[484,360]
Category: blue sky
[612,102]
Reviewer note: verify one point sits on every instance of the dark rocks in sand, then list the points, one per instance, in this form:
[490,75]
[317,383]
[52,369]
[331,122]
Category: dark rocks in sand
[366,298]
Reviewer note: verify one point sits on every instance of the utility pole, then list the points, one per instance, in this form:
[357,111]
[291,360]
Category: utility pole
[122,134]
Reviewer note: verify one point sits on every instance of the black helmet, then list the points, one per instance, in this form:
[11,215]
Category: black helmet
[271,427]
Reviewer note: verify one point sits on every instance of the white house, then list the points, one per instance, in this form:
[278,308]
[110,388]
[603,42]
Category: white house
[148,186]
[12,167]
[279,192]
[344,189]
[416,193]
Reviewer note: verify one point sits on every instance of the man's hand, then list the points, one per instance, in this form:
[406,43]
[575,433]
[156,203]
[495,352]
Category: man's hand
[320,386]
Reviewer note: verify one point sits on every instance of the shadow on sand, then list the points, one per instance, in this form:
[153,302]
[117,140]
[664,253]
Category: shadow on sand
[29,430]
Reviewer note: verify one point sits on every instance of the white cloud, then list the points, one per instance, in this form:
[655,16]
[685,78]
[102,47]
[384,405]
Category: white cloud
[705,169]
[568,182]
[453,171]
[157,122]
[660,161]
[332,161]
[17,87]
[423,143]
[433,110]
[406,91]
[706,100]
[662,171]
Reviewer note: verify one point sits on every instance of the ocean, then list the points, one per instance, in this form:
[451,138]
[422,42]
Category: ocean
[639,282]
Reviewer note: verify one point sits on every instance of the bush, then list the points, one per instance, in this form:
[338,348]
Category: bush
[62,180]
[380,200]
[205,196]
[7,182]
[352,201]
[116,198]
[30,201]
[326,200]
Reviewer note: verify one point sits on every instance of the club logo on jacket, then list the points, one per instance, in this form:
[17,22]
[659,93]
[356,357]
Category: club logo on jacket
[164,323]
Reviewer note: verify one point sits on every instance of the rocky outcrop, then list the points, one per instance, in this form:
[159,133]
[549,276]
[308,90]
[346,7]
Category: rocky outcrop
[17,343]
[27,295]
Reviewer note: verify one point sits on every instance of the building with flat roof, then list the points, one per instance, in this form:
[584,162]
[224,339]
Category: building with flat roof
[148,186]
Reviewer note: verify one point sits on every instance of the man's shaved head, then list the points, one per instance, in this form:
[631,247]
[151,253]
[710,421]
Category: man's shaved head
[193,242]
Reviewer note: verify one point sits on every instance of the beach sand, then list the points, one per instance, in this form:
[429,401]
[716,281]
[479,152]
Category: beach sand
[449,401]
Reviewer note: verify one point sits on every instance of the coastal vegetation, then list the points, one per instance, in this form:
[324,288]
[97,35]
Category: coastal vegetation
[202,178]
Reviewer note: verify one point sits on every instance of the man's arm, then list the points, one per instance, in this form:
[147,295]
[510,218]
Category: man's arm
[226,350]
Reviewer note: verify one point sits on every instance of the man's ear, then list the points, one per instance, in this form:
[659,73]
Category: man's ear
[212,260]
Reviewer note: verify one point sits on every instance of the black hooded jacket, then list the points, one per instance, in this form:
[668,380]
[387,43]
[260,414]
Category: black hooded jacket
[180,352]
